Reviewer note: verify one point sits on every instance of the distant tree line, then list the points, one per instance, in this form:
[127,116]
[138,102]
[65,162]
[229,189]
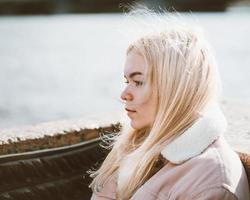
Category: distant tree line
[12,7]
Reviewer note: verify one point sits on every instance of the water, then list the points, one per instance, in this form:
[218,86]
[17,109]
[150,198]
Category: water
[71,66]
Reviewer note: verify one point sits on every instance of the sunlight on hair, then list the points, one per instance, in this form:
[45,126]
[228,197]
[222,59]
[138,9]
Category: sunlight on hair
[181,68]
[141,21]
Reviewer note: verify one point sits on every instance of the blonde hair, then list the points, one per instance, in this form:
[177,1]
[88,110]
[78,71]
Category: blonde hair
[183,72]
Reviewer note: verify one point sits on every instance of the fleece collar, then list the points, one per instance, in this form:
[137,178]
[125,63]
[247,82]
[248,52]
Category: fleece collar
[198,137]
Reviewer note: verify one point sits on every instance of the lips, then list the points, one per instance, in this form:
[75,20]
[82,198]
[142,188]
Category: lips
[129,110]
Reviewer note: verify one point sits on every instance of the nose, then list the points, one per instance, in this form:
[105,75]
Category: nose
[126,96]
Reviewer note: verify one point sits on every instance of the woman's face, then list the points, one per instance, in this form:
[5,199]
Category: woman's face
[140,110]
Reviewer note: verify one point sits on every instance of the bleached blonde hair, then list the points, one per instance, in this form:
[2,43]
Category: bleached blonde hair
[182,70]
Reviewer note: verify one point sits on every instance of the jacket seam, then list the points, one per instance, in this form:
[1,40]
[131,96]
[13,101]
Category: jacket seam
[220,161]
[223,181]
[157,195]
[222,184]
[214,187]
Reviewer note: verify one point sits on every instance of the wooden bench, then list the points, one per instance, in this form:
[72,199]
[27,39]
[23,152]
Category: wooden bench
[58,173]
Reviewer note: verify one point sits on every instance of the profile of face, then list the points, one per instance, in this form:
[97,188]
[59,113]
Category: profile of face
[140,110]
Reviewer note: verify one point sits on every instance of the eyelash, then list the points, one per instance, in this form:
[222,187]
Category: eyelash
[138,83]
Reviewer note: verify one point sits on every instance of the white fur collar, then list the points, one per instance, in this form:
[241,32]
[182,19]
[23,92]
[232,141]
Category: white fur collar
[192,142]
[198,137]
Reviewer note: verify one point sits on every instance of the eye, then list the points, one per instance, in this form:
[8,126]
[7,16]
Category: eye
[138,83]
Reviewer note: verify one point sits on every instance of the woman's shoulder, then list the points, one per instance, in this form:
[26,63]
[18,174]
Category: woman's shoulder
[223,161]
[219,168]
[233,171]
[217,171]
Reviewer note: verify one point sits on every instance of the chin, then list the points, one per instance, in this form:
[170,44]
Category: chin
[137,126]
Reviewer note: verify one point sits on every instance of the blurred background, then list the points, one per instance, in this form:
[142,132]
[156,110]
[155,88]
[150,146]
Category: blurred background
[63,59]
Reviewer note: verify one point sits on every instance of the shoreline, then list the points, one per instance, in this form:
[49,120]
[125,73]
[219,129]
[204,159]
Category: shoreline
[236,111]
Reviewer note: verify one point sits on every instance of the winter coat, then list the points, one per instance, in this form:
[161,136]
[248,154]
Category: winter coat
[201,165]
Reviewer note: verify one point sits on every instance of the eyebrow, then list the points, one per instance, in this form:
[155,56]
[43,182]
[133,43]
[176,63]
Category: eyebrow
[133,74]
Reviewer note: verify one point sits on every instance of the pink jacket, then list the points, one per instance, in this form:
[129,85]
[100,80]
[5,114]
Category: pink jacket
[201,166]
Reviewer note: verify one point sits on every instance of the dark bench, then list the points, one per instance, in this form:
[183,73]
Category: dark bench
[56,173]
[245,159]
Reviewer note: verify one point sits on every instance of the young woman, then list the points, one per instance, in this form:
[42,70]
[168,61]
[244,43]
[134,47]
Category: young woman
[175,147]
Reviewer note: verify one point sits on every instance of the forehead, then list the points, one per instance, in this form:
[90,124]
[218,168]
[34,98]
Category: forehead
[134,63]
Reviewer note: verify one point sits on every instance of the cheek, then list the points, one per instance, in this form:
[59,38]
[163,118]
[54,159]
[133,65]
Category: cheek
[146,110]
[149,109]
[142,119]
[140,99]
[146,114]
[141,96]
[148,106]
